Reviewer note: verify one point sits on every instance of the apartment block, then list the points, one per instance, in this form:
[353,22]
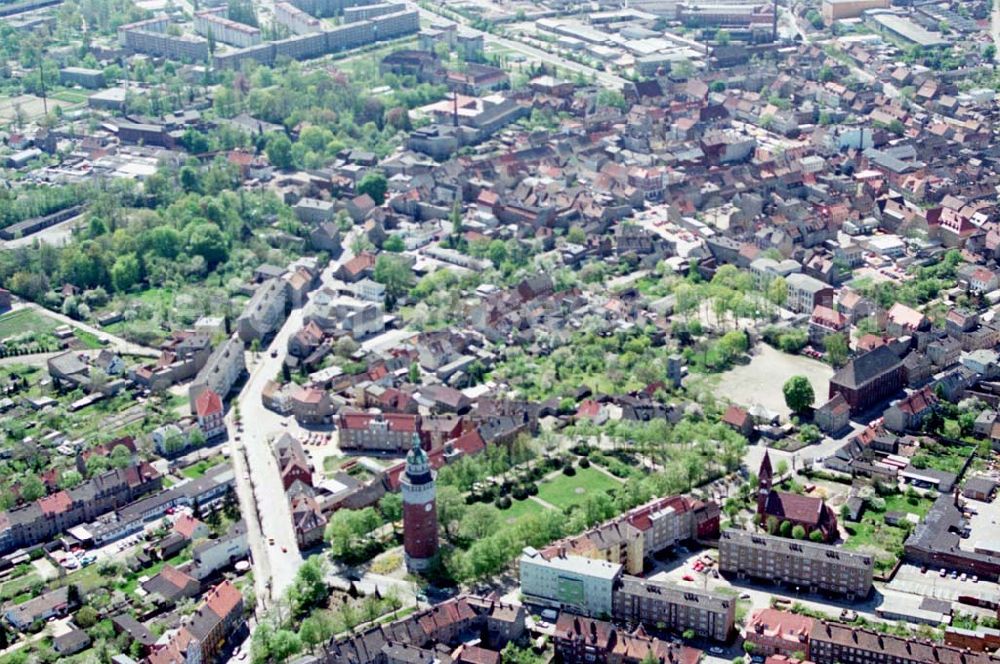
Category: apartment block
[806,565]
[302,47]
[210,22]
[644,531]
[151,37]
[295,19]
[389,432]
[220,373]
[365,12]
[571,583]
[265,311]
[43,519]
[395,25]
[638,600]
[830,643]
[315,44]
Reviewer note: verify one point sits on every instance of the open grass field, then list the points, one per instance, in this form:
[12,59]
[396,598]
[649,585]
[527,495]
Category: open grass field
[197,470]
[564,491]
[25,320]
[30,107]
[521,508]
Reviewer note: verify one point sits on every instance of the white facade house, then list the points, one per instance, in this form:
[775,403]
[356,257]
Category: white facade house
[580,584]
[213,555]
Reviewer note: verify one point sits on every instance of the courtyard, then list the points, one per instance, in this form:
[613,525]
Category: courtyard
[760,381]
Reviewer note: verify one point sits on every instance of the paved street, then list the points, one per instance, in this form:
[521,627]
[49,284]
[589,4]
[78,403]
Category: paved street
[275,564]
[258,482]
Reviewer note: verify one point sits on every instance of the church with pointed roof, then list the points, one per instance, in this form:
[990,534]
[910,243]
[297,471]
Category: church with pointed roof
[811,513]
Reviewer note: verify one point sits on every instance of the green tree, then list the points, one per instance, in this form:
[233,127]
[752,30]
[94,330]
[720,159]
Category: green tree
[576,235]
[799,395]
[786,528]
[836,349]
[69,479]
[207,240]
[414,373]
[612,99]
[260,646]
[394,243]
[279,151]
[310,633]
[125,273]
[73,597]
[284,644]
[309,589]
[375,185]
[816,536]
[514,654]
[391,507]
[347,532]
[478,521]
[196,438]
[31,488]
[395,273]
[450,508]
[799,532]
[777,291]
[120,457]
[86,617]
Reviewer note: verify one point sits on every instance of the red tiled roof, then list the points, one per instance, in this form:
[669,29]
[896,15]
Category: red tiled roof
[477,655]
[828,317]
[208,403]
[57,503]
[640,516]
[404,422]
[918,402]
[223,599]
[905,316]
[359,263]
[174,576]
[780,624]
[445,615]
[187,525]
[470,442]
[792,506]
[735,416]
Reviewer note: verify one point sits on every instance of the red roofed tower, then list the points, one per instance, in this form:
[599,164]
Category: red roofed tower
[764,479]
[420,525]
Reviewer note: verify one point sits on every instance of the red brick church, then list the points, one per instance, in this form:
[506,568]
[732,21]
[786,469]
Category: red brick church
[811,513]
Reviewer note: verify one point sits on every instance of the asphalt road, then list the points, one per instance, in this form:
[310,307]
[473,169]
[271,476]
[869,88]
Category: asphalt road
[258,481]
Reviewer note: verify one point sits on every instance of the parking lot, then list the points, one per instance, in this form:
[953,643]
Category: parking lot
[984,523]
[684,571]
[909,579]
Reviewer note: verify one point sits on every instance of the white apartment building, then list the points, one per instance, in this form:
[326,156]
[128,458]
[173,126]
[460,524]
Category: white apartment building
[582,585]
